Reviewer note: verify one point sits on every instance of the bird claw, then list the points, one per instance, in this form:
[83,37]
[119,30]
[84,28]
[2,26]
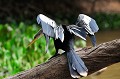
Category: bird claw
[54,56]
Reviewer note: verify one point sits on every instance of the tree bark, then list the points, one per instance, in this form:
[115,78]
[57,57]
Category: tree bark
[95,58]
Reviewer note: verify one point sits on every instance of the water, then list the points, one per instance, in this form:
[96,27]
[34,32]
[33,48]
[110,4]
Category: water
[113,71]
[105,36]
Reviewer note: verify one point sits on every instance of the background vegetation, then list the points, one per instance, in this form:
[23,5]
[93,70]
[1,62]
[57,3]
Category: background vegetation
[16,57]
[18,26]
[14,54]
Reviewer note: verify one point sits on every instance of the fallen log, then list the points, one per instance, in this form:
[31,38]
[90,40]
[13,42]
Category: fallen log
[95,58]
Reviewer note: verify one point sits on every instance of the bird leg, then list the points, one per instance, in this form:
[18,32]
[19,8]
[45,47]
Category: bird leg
[56,54]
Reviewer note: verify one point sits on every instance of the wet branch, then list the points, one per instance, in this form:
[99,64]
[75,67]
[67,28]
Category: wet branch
[95,58]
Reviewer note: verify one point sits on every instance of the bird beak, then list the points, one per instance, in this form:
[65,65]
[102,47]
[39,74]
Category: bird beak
[93,40]
[35,37]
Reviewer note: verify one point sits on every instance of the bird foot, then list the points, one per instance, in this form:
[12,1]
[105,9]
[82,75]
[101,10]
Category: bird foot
[54,56]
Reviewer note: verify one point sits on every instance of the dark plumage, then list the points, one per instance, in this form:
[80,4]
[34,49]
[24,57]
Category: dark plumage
[64,39]
[66,44]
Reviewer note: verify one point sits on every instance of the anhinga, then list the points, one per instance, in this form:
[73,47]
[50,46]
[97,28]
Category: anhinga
[64,39]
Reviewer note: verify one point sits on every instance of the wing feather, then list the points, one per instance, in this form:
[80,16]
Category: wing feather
[47,24]
[78,31]
[61,33]
[50,28]
[88,23]
[47,38]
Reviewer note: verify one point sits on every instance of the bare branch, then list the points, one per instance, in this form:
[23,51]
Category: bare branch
[95,58]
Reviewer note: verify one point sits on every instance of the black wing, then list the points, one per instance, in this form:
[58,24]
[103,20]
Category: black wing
[50,29]
[88,23]
[90,26]
[78,31]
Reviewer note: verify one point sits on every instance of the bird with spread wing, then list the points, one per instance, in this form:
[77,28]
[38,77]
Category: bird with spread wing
[63,37]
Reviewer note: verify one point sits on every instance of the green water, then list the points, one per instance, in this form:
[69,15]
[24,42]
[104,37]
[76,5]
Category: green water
[113,71]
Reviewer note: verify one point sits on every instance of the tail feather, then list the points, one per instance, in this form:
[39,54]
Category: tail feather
[76,64]
[73,73]
[79,61]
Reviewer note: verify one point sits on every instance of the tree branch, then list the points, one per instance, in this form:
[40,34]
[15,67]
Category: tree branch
[95,58]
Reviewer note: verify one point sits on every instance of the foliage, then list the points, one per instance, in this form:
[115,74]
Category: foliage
[107,20]
[16,57]
[14,54]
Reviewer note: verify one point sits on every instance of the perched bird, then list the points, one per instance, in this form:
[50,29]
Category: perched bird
[63,36]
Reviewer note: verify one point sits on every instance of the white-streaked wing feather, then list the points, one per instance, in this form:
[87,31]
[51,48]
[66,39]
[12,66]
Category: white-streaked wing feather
[61,33]
[93,25]
[47,24]
[50,28]
[56,32]
[46,20]
[88,23]
[47,42]
[78,31]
